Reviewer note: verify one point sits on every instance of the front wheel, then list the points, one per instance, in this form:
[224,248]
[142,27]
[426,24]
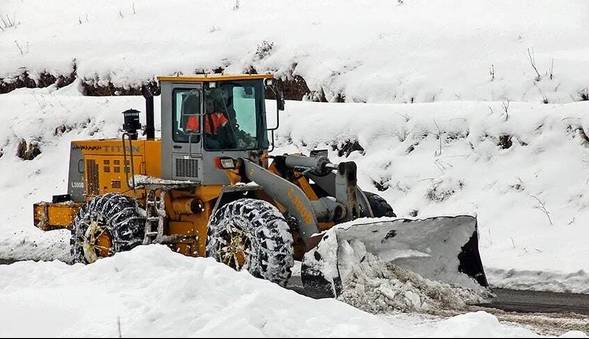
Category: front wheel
[253,235]
[106,225]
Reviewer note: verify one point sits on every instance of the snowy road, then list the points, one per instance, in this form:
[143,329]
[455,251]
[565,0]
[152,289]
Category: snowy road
[519,301]
[540,302]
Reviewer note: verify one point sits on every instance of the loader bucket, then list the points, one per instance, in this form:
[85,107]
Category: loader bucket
[443,249]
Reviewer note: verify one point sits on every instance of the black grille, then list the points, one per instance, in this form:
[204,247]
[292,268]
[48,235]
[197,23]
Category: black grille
[92,177]
[187,168]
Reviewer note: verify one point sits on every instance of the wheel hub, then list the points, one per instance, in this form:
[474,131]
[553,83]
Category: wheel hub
[97,242]
[236,250]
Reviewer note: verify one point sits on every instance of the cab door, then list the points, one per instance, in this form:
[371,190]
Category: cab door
[182,107]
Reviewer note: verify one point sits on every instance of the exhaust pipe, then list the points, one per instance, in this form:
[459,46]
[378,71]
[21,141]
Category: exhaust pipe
[150,126]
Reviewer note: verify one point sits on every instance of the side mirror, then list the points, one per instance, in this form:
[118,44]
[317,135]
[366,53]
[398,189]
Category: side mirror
[279,107]
[273,86]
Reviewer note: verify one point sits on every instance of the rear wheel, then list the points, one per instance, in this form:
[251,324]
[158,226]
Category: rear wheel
[379,206]
[253,235]
[106,225]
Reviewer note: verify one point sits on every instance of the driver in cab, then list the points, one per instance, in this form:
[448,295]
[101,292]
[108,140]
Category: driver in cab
[215,125]
[213,121]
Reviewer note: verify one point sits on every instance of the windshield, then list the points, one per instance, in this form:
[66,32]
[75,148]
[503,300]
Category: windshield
[233,118]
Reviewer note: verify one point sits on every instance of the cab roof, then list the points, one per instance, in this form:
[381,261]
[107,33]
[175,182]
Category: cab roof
[213,77]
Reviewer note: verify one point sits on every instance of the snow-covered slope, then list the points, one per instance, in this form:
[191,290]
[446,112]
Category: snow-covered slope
[52,122]
[524,173]
[375,51]
[154,292]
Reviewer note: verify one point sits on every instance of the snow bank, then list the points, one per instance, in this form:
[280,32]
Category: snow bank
[524,173]
[375,51]
[376,287]
[154,292]
[575,282]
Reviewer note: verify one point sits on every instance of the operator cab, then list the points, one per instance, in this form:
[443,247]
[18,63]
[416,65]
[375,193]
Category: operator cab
[205,117]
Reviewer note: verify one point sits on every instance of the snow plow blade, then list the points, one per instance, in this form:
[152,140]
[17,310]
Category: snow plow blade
[443,249]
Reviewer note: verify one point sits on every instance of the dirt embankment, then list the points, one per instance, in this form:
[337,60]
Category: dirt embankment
[293,86]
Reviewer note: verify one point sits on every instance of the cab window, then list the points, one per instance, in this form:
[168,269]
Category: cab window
[186,114]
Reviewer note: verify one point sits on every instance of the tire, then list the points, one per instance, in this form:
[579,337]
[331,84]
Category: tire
[252,234]
[106,225]
[379,206]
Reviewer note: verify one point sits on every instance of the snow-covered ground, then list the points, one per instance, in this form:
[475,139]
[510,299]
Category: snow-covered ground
[154,292]
[451,122]
[375,51]
[433,159]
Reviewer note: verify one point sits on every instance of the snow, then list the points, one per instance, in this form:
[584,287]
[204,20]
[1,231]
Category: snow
[37,116]
[575,282]
[453,124]
[401,149]
[450,158]
[376,51]
[378,287]
[152,291]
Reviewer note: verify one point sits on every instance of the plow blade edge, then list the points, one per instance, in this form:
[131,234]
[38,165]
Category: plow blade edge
[443,249]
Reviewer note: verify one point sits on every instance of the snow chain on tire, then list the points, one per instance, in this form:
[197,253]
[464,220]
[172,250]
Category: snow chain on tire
[118,214]
[269,253]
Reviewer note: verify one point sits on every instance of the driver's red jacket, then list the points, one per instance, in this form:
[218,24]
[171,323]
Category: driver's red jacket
[213,122]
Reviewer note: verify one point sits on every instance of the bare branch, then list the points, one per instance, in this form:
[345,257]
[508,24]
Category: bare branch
[544,98]
[533,64]
[506,105]
[439,151]
[19,48]
[3,24]
[7,22]
[542,207]
[119,327]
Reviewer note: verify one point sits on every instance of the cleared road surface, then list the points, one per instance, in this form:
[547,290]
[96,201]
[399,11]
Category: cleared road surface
[540,302]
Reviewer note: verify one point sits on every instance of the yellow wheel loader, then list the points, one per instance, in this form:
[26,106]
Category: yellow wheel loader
[209,187]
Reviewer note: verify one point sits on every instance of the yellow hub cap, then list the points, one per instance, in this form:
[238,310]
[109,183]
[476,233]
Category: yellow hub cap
[97,243]
[235,253]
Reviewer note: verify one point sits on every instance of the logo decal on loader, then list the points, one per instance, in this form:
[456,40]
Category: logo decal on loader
[77,184]
[86,148]
[108,149]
